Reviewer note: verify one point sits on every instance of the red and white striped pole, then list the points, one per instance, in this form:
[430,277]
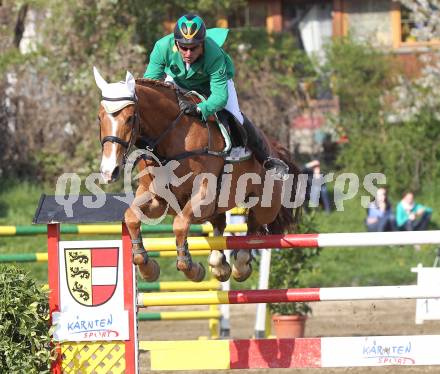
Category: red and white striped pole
[358,239]
[287,295]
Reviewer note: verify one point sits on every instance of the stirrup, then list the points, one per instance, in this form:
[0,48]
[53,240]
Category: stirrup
[237,154]
[278,168]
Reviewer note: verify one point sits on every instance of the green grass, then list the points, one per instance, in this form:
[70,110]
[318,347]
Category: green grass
[334,267]
[18,201]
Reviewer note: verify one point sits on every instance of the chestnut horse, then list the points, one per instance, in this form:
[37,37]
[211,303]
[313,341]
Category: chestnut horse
[146,113]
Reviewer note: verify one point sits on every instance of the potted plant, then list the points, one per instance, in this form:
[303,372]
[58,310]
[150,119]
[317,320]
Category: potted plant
[287,266]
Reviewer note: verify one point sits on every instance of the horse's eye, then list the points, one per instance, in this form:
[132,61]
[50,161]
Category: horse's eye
[130,120]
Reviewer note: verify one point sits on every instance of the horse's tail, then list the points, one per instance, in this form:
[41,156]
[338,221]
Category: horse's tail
[287,218]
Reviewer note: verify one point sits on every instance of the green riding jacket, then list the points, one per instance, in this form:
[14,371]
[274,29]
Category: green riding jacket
[208,75]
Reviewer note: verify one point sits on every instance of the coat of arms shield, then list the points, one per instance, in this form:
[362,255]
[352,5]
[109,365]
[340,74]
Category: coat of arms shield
[91,274]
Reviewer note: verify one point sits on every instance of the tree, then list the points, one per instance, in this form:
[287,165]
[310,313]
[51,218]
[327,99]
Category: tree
[358,74]
[55,99]
[269,69]
[422,93]
[415,109]
[425,15]
[392,122]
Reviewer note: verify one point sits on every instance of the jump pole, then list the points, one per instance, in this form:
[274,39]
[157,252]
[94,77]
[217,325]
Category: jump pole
[361,239]
[27,230]
[287,295]
[42,256]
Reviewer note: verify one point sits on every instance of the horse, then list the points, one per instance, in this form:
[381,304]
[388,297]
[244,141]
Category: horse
[146,113]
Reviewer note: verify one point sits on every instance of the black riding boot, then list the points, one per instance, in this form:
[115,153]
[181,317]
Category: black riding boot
[257,143]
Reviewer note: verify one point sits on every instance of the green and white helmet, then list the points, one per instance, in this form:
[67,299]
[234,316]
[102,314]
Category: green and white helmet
[190,29]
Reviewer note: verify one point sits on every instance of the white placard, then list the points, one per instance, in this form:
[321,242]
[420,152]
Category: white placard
[96,326]
[380,351]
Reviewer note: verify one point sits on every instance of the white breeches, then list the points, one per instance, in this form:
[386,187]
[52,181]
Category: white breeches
[232,104]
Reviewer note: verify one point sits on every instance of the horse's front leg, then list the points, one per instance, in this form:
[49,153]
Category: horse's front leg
[148,268]
[200,205]
[193,271]
[217,260]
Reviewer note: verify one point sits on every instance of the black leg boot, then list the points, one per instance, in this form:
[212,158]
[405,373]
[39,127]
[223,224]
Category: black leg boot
[258,145]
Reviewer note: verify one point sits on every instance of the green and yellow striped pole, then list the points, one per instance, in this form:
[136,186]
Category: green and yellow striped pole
[30,230]
[42,256]
[23,257]
[212,284]
[180,315]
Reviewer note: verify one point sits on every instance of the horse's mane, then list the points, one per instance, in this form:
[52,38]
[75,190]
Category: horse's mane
[154,83]
[165,88]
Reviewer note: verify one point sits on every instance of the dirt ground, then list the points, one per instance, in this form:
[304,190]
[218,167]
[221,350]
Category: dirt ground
[360,318]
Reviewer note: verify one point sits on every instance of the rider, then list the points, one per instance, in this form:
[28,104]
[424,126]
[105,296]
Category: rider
[192,59]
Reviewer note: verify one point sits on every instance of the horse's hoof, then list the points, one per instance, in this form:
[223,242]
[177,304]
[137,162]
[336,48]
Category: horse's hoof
[241,276]
[150,271]
[242,257]
[221,273]
[139,258]
[197,272]
[216,259]
[184,266]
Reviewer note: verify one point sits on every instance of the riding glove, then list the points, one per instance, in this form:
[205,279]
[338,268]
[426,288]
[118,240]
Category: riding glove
[190,109]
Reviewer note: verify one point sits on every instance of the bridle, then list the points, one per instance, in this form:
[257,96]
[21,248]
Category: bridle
[134,123]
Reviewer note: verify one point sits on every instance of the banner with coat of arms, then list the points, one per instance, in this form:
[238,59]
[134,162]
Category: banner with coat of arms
[92,292]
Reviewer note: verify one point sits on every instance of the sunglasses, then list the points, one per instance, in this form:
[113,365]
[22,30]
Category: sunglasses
[188,48]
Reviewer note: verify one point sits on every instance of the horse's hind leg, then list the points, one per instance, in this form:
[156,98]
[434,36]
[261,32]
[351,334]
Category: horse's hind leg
[217,260]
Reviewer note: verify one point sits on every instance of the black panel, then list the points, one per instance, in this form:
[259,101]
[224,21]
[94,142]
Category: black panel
[51,211]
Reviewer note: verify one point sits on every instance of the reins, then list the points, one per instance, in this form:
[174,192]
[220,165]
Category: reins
[150,144]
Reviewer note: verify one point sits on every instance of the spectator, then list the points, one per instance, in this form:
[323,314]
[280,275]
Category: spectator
[410,215]
[380,216]
[316,189]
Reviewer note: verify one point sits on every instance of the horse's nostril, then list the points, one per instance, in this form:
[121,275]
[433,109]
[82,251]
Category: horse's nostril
[115,173]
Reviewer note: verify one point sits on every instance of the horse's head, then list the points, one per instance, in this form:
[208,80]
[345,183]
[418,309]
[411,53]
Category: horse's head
[118,122]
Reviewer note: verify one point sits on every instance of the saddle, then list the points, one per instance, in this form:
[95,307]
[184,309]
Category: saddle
[234,134]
